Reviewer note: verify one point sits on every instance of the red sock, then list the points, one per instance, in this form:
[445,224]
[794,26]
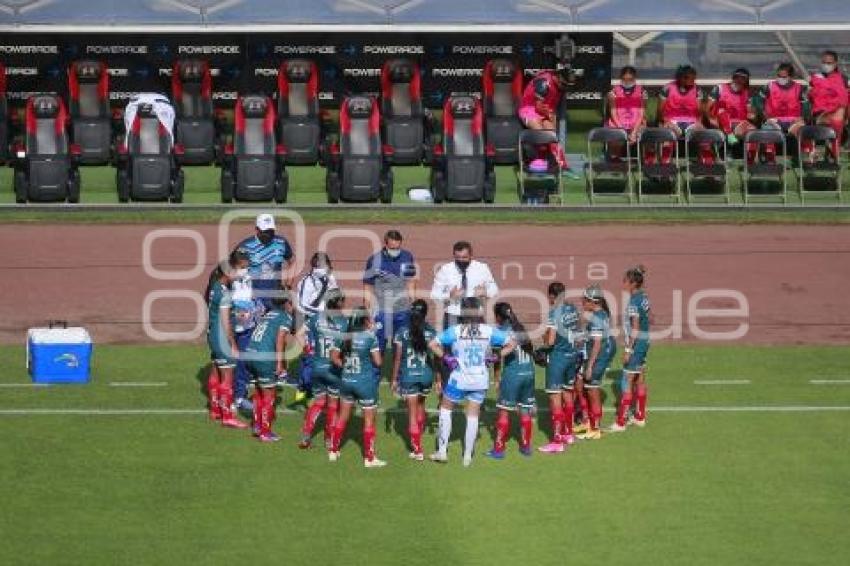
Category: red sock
[421,419]
[312,415]
[525,428]
[569,415]
[557,426]
[225,396]
[649,156]
[503,426]
[330,422]
[706,154]
[752,152]
[369,443]
[268,409]
[415,439]
[259,401]
[666,153]
[625,403]
[560,156]
[770,153]
[640,414]
[213,386]
[595,416]
[338,432]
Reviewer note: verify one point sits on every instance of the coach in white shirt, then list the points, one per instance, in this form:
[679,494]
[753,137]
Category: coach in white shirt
[464,277]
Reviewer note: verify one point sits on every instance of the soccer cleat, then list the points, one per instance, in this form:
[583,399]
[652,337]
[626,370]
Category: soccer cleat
[637,422]
[467,461]
[526,451]
[269,437]
[418,456]
[494,454]
[570,174]
[374,463]
[333,456]
[305,442]
[552,448]
[439,457]
[570,439]
[617,428]
[233,422]
[593,434]
[300,397]
[581,428]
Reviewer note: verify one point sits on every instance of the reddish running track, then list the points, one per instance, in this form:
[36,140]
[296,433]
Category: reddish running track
[793,277]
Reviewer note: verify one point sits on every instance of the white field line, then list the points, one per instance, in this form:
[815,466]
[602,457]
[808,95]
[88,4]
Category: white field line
[829,381]
[722,382]
[659,409]
[24,385]
[138,383]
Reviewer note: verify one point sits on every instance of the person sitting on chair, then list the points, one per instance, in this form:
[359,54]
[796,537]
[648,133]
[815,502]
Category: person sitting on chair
[626,109]
[538,109]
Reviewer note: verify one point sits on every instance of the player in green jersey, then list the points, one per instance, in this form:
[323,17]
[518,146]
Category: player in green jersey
[413,371]
[222,343]
[358,355]
[514,374]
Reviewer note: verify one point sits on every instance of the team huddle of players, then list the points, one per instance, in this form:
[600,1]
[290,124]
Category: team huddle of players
[578,348]
[735,108]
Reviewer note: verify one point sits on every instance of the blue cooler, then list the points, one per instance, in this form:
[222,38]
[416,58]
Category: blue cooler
[59,355]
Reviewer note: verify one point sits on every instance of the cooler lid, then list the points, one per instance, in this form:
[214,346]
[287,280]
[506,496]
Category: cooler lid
[71,335]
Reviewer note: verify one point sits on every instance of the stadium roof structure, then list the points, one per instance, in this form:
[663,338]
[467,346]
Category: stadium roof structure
[422,15]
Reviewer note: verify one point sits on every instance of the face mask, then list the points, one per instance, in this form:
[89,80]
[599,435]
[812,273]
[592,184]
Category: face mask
[266,236]
[462,264]
[320,271]
[827,68]
[628,85]
[783,81]
[393,253]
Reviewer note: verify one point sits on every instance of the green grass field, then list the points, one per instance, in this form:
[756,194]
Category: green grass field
[753,474]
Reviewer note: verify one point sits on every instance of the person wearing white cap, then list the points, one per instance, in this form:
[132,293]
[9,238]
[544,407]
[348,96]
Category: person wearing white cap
[269,255]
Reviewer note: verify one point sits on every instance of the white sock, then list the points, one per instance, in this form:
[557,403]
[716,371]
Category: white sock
[445,431]
[471,436]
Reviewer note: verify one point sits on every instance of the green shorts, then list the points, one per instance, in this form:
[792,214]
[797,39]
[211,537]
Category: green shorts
[419,388]
[326,381]
[561,371]
[364,391]
[637,361]
[516,390]
[263,372]
[220,352]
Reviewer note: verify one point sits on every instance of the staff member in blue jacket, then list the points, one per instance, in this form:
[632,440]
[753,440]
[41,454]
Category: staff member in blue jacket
[269,255]
[389,285]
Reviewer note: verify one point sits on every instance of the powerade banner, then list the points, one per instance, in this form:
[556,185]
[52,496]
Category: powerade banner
[349,63]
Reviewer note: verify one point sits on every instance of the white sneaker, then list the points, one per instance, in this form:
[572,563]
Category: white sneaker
[333,456]
[617,428]
[637,422]
[467,461]
[439,457]
[418,456]
[374,463]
